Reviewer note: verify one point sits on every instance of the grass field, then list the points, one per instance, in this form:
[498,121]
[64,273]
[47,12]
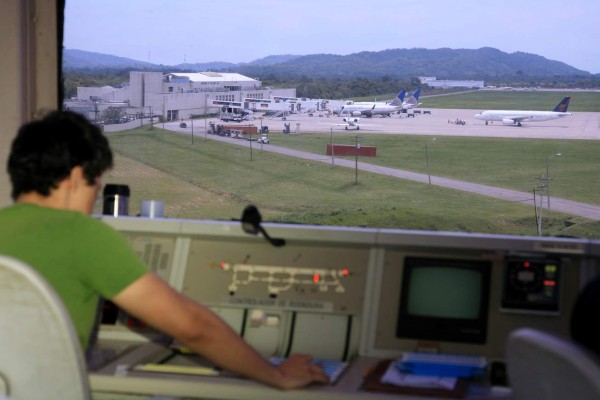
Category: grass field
[508,163]
[215,180]
[212,180]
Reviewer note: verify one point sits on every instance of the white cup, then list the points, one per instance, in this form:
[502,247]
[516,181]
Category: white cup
[152,209]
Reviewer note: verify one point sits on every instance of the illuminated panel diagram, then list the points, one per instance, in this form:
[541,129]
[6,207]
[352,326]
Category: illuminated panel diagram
[280,279]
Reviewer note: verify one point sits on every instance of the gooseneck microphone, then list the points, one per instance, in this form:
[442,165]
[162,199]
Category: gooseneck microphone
[251,223]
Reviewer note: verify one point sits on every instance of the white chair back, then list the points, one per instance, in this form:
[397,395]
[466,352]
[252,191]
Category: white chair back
[40,355]
[545,367]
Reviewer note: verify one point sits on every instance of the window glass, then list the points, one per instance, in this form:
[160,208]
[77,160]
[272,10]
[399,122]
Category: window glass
[210,106]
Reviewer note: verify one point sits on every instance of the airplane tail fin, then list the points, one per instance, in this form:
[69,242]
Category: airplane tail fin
[563,105]
[399,98]
[414,98]
[402,94]
[416,94]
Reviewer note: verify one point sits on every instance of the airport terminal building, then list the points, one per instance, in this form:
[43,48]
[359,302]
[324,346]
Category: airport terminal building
[173,96]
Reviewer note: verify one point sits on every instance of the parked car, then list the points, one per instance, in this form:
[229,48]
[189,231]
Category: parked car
[235,133]
[264,138]
[183,125]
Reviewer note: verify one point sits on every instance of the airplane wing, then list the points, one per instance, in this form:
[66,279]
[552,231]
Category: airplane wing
[368,112]
[346,126]
[351,122]
[519,118]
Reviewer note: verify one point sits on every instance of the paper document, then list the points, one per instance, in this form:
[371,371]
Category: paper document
[394,377]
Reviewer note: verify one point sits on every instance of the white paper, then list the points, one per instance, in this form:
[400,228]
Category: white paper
[394,377]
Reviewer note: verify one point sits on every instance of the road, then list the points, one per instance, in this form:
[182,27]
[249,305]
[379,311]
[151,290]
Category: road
[583,126]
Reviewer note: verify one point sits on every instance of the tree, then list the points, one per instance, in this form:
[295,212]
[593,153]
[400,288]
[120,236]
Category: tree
[113,115]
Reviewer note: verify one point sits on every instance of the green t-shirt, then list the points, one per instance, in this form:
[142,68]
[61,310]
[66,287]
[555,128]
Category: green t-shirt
[81,257]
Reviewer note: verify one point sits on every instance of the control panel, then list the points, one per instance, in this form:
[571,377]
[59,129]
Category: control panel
[281,279]
[532,285]
[335,294]
[299,278]
[281,299]
[156,251]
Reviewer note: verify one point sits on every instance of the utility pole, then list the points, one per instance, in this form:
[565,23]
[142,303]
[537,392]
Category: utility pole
[538,210]
[535,211]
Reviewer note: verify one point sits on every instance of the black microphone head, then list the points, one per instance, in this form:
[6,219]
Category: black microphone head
[251,219]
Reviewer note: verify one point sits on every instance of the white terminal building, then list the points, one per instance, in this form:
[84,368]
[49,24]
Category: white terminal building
[174,96]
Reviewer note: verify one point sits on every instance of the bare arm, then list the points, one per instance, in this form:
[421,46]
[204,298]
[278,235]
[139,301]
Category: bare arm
[151,300]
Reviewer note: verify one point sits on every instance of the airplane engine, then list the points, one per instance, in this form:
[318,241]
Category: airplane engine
[356,113]
[508,121]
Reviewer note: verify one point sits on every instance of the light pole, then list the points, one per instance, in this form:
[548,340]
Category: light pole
[356,150]
[205,114]
[250,141]
[331,145]
[548,177]
[163,113]
[427,159]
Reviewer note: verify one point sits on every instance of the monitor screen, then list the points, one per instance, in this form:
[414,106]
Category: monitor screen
[444,299]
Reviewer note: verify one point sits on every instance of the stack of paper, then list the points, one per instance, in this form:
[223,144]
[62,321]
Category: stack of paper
[394,377]
[446,365]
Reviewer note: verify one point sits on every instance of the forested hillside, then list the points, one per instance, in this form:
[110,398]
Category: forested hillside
[359,74]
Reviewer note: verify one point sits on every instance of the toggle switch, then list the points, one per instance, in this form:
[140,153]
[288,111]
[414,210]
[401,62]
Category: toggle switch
[257,317]
[272,320]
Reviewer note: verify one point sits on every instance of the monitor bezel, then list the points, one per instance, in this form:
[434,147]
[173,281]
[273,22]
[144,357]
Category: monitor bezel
[464,330]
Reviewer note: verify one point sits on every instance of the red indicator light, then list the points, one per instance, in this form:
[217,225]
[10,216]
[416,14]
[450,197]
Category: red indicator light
[345,272]
[527,264]
[222,265]
[316,278]
[549,283]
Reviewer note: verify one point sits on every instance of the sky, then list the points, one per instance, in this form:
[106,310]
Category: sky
[171,32]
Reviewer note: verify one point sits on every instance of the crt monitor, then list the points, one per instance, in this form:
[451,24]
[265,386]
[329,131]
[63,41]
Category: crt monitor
[444,300]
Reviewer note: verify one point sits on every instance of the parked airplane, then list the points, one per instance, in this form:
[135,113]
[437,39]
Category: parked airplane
[369,109]
[515,117]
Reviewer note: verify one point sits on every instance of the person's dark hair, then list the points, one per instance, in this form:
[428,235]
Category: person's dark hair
[45,151]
